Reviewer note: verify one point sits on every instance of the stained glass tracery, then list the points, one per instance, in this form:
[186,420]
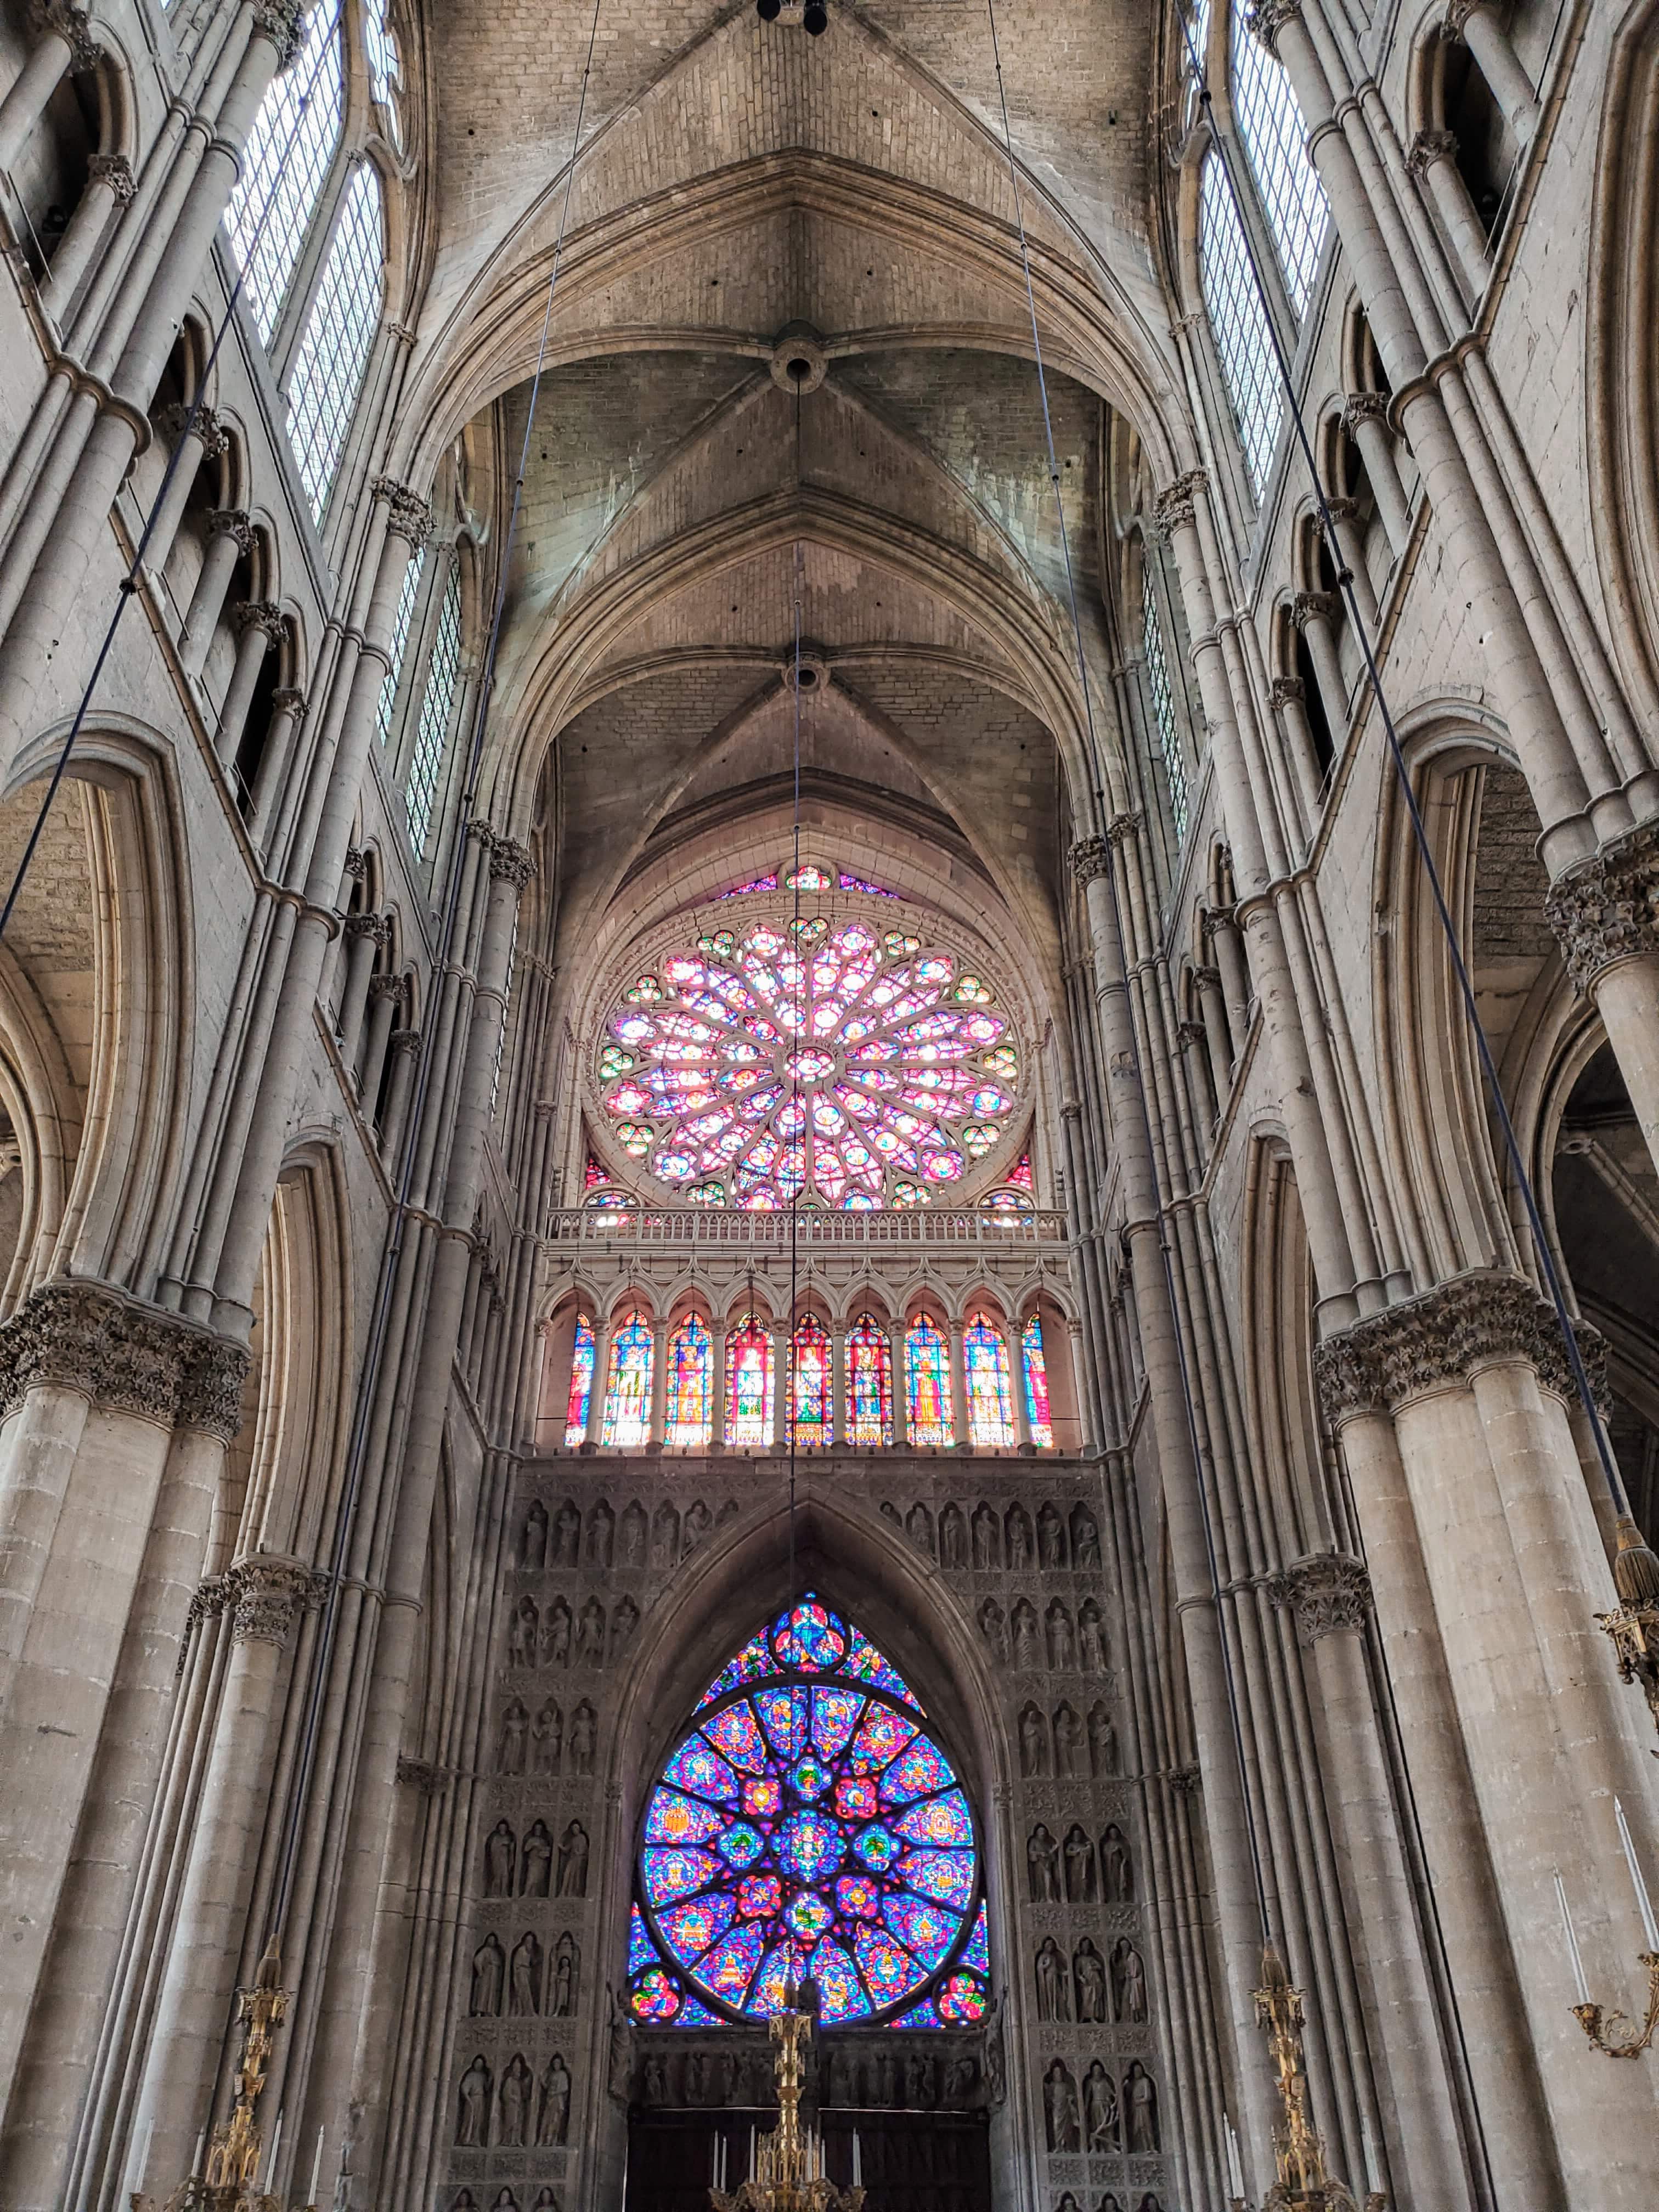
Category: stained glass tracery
[869,1383]
[985,1372]
[808,1823]
[581,1384]
[811,1385]
[749,1382]
[927,1384]
[832,1061]
[688,1410]
[628,1390]
[1035,1373]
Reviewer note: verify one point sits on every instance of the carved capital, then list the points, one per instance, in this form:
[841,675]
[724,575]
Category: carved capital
[1186,1780]
[1428,148]
[129,1358]
[385,987]
[1606,909]
[1458,13]
[356,863]
[420,1774]
[1090,857]
[1287,690]
[510,863]
[74,27]
[408,515]
[407,1040]
[1444,1338]
[1364,407]
[1342,509]
[287,702]
[1330,1591]
[268,1593]
[211,1383]
[1213,920]
[281,21]
[1122,827]
[1178,504]
[1190,1033]
[114,172]
[261,615]
[1314,606]
[377,928]
[233,522]
[1268,18]
[480,829]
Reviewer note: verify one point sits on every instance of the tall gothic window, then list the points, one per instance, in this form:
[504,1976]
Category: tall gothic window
[1243,337]
[1268,126]
[985,1371]
[748,1383]
[581,1384]
[810,1388]
[869,1383]
[332,356]
[289,151]
[927,1384]
[808,1823]
[688,1417]
[385,705]
[1035,1376]
[628,1389]
[437,711]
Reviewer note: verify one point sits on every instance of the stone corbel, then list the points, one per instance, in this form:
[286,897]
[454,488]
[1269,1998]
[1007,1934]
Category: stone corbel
[1606,909]
[1329,1592]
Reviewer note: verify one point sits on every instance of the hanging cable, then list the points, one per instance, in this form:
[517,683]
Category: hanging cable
[127,589]
[1143,1105]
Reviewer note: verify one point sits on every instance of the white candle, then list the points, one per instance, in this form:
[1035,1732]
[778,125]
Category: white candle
[275,2145]
[1373,2172]
[1643,1903]
[857,2162]
[196,2162]
[316,2171]
[1572,1942]
[1234,2167]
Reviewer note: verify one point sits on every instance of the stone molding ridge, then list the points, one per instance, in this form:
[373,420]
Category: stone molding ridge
[1090,858]
[1606,909]
[124,1357]
[1178,503]
[1442,1339]
[1330,1591]
[511,863]
[266,1593]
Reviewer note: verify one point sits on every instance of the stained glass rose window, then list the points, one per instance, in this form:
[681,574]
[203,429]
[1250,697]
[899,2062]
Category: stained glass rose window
[808,1825]
[850,1065]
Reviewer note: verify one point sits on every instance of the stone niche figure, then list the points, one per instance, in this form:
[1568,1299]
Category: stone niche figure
[1090,1639]
[555,2126]
[556,1635]
[1062,1649]
[584,1727]
[1025,1621]
[501,1857]
[1068,2203]
[1033,1743]
[510,1744]
[1103,1743]
[1128,1982]
[524,1990]
[522,1633]
[698,1525]
[1091,1970]
[1053,1987]
[1109,2204]
[489,1971]
[1149,2204]
[567,1966]
[472,2096]
[1117,1878]
[1100,2109]
[1051,1536]
[919,1528]
[545,2202]
[590,1634]
[665,1536]
[953,1538]
[1019,1540]
[1068,1741]
[572,1862]
[631,1531]
[987,1540]
[1079,1866]
[1060,2110]
[624,1621]
[1042,1866]
[1086,1541]
[548,1739]
[1140,2102]
[959,2081]
[994,1627]
[601,1536]
[919,2081]
[567,1536]
[536,1863]
[464,2202]
[533,1544]
[505,2200]
[655,2079]
[695,2080]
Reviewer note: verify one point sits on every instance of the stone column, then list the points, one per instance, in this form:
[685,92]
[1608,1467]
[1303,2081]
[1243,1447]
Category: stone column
[1212,1011]
[1084,1413]
[782,1377]
[1018,1399]
[406,1051]
[195,439]
[1219,925]
[960,1433]
[1314,615]
[900,1383]
[1477,23]
[657,1427]
[1605,913]
[386,997]
[1433,160]
[68,43]
[364,934]
[717,1386]
[1289,696]
[840,1417]
[1344,513]
[230,540]
[109,184]
[261,627]
[288,714]
[601,1375]
[1365,419]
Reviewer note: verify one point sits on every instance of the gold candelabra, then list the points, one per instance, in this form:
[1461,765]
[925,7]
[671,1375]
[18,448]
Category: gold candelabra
[1304,2185]
[1614,2033]
[789,2174]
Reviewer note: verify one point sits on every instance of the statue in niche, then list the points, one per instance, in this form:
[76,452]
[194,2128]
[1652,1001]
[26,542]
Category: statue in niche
[1053,1987]
[1019,1540]
[472,2096]
[1149,2204]
[463,2203]
[1128,1983]
[545,2202]
[533,1544]
[601,1534]
[994,1627]
[1100,2109]
[996,2060]
[890,1512]
[959,2081]
[513,2105]
[698,1525]
[1025,1621]
[522,1633]
[566,1968]
[489,1969]
[1068,2203]
[1068,1742]
[1060,2109]
[524,1990]
[567,1535]
[835,2076]
[590,1634]
[1109,2204]
[1079,1866]
[548,1737]
[572,1862]
[1090,1639]
[987,1540]
[1033,1744]
[887,2076]
[536,1863]
[1103,1743]
[665,1536]
[510,1745]
[1086,1541]
[919,1528]
[953,1538]
[1117,1879]
[730,1511]
[631,1533]
[620,2073]
[555,2104]
[1057,1627]
[1090,1969]
[1042,1866]
[695,2078]
[1051,1536]
[505,2201]
[583,1730]
[500,1859]
[656,2081]
[556,1635]
[728,2080]
[1140,2100]
[624,1621]
[919,2081]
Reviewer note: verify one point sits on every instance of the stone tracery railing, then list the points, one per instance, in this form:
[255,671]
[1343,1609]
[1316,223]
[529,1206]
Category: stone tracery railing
[644,1226]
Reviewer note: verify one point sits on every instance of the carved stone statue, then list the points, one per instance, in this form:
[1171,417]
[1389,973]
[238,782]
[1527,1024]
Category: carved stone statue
[1128,1982]
[988,1541]
[601,1531]
[501,1857]
[665,1536]
[1060,2109]
[1116,1870]
[1079,1866]
[556,2104]
[572,1862]
[698,1525]
[1068,1741]
[953,1538]
[556,1635]
[522,1633]
[510,1746]
[624,1621]
[1086,1541]
[1090,1639]
[1033,1743]
[472,2107]
[1102,1742]
[512,2106]
[532,1545]
[1051,1536]
[1091,1970]
[994,1627]
[1100,2109]
[1140,2100]
[590,1634]
[583,1730]
[1025,1634]
[488,1968]
[1062,1649]
[1042,1866]
[1019,1527]
[567,1535]
[1053,1987]
[525,1991]
[631,1535]
[548,1739]
[567,1962]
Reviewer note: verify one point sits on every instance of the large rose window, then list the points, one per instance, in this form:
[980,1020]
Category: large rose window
[831,1060]
[807,1824]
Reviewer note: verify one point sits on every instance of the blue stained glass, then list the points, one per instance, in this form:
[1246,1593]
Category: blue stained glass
[676,1819]
[841,1994]
[947,1876]
[865,1661]
[962,1997]
[877,1848]
[917,1771]
[784,1967]
[729,1969]
[670,1874]
[835,1716]
[783,1716]
[702,1770]
[882,1736]
[810,1846]
[889,1970]
[922,1929]
[978,1952]
[812,1639]
[939,1820]
[690,1929]
[641,1949]
[922,2015]
[694,2014]
[736,1733]
[752,1664]
[742,1845]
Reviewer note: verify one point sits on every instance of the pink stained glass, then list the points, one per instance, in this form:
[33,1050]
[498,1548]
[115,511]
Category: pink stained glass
[628,1390]
[809,1391]
[1035,1371]
[581,1384]
[1020,1173]
[869,1383]
[688,1415]
[748,1383]
[985,1372]
[594,1175]
[927,1383]
[857,883]
[760,884]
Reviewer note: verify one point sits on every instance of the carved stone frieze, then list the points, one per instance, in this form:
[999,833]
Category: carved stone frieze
[1329,1590]
[1442,1338]
[1090,858]
[1178,504]
[1606,909]
[266,1595]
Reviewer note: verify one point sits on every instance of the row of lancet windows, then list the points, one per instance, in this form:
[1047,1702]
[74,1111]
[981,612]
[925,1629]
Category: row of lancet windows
[725,1395]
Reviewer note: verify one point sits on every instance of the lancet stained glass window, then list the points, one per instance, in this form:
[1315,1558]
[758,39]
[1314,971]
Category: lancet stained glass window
[687,1419]
[808,1824]
[581,1384]
[748,1383]
[985,1371]
[840,1062]
[869,1382]
[1240,323]
[811,1386]
[1269,125]
[927,1383]
[285,164]
[332,356]
[1035,1371]
[628,1391]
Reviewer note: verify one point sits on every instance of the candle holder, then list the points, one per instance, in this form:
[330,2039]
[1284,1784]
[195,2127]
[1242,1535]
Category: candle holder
[1304,2182]
[789,2175]
[1634,1626]
[1615,2034]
